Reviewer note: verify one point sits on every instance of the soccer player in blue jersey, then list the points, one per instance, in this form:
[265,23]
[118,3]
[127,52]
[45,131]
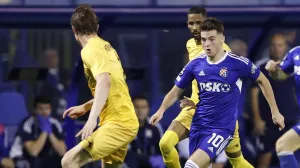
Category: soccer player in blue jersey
[289,142]
[219,76]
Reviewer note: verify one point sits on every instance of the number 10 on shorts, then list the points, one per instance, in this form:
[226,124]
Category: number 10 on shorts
[218,142]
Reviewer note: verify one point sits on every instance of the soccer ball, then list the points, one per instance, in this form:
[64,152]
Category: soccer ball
[225,87]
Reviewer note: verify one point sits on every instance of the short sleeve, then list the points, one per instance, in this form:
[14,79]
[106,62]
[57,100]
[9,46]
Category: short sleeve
[287,65]
[226,47]
[248,69]
[185,77]
[97,61]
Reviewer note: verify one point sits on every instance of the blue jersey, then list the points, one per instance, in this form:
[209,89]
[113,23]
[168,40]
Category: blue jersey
[291,65]
[219,86]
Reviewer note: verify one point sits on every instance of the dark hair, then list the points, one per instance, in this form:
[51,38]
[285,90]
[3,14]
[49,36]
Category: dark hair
[41,100]
[212,24]
[84,20]
[198,10]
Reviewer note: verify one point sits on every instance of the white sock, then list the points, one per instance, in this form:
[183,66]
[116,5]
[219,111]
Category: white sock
[191,164]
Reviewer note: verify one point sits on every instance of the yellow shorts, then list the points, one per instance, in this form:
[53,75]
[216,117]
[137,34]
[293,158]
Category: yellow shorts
[185,118]
[110,142]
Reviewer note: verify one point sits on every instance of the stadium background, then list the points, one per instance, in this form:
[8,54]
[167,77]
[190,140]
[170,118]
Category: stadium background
[149,35]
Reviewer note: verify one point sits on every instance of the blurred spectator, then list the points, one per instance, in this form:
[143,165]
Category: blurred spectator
[56,83]
[284,93]
[5,162]
[144,150]
[39,140]
[239,47]
[277,47]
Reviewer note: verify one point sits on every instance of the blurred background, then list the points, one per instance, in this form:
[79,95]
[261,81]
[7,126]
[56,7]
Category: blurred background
[39,56]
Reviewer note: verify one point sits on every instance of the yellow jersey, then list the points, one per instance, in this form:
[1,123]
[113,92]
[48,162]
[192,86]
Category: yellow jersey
[99,56]
[194,50]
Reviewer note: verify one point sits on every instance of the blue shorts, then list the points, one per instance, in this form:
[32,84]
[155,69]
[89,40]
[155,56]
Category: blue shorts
[297,128]
[213,142]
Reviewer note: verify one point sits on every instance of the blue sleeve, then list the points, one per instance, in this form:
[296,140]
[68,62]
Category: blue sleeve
[249,70]
[58,130]
[287,65]
[186,76]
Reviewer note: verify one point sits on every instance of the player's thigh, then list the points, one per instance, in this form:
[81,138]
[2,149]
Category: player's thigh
[77,155]
[108,139]
[201,158]
[289,141]
[233,149]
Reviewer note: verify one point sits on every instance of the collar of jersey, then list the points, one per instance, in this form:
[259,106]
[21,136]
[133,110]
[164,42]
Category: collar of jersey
[221,60]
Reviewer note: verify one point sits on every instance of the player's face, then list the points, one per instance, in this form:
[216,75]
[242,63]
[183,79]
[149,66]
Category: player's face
[194,22]
[141,107]
[212,42]
[43,109]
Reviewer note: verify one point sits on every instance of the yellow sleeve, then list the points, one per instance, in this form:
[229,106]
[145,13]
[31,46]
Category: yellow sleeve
[97,62]
[226,47]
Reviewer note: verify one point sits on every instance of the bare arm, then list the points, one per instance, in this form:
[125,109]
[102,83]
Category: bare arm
[168,101]
[58,145]
[255,104]
[101,94]
[267,90]
[171,98]
[34,147]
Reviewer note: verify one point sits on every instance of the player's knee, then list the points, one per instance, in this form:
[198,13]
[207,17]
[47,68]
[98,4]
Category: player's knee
[164,146]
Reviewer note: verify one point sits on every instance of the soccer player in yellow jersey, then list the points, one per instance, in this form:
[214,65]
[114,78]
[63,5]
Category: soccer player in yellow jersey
[111,103]
[179,128]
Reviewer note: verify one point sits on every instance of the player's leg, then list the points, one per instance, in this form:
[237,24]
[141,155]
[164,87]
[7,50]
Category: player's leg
[234,153]
[177,131]
[286,145]
[76,157]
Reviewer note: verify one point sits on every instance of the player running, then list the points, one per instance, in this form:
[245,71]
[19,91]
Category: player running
[289,142]
[118,120]
[219,75]
[180,127]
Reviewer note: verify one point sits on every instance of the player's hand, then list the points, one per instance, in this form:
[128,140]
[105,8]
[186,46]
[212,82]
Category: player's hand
[278,120]
[75,112]
[187,102]
[259,127]
[156,117]
[88,129]
[272,65]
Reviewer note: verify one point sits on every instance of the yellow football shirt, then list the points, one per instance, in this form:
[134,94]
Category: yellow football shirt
[195,50]
[99,56]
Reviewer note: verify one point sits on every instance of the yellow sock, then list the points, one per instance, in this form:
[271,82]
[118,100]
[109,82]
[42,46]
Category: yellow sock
[168,150]
[240,162]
